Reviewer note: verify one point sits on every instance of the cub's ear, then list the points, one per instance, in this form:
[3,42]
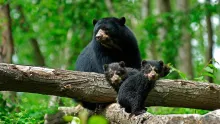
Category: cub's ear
[122,63]
[122,21]
[105,67]
[161,62]
[94,21]
[143,63]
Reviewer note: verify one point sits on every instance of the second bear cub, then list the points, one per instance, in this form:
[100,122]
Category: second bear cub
[134,90]
[116,73]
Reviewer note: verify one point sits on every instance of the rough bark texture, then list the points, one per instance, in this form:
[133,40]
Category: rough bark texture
[210,39]
[94,88]
[185,50]
[116,115]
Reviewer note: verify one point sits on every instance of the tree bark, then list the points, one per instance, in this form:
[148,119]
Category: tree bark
[210,40]
[116,115]
[93,87]
[185,50]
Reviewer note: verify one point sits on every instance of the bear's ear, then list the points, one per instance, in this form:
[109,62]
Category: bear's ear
[94,21]
[105,67]
[161,63]
[122,63]
[122,20]
[143,63]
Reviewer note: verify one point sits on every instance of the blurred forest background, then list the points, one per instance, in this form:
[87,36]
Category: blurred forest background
[51,33]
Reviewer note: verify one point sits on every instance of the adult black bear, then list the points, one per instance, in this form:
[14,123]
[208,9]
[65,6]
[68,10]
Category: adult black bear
[134,90]
[116,73]
[112,42]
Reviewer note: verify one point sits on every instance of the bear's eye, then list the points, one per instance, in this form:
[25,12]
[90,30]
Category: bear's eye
[147,70]
[105,28]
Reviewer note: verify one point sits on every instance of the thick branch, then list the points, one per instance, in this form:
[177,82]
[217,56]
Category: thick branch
[94,88]
[116,115]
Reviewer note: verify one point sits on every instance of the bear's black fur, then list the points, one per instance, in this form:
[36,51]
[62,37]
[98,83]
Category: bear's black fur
[134,90]
[112,42]
[116,73]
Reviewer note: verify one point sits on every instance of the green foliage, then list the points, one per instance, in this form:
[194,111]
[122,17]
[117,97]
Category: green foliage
[170,110]
[74,120]
[208,71]
[31,108]
[97,119]
[180,73]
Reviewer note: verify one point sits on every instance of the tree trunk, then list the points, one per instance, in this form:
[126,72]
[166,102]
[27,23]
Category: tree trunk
[185,50]
[37,53]
[109,6]
[145,9]
[210,40]
[7,45]
[145,12]
[93,87]
[163,7]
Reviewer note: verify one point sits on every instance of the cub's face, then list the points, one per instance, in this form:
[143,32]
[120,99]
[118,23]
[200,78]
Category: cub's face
[115,72]
[152,69]
[107,31]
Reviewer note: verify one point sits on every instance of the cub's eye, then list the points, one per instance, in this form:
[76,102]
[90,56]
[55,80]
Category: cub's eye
[147,70]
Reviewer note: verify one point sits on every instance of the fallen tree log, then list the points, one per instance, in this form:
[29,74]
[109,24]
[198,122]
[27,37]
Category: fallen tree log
[116,115]
[94,88]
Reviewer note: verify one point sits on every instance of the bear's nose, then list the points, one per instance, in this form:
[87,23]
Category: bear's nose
[98,37]
[153,75]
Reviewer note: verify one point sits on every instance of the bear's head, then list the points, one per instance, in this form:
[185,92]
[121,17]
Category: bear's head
[115,72]
[153,69]
[109,31]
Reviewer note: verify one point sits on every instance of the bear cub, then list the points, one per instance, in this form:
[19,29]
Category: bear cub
[134,90]
[116,73]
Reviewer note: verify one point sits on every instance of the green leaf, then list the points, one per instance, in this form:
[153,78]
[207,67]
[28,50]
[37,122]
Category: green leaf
[209,74]
[67,118]
[208,69]
[199,78]
[96,119]
[182,75]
